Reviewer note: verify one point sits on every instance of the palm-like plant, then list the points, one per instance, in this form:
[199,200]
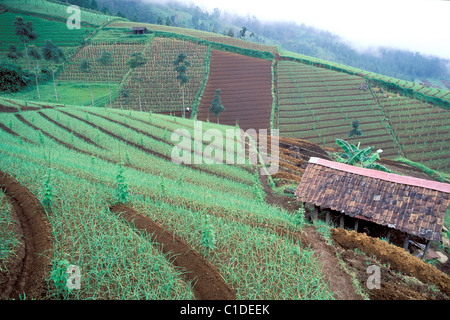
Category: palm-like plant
[352,155]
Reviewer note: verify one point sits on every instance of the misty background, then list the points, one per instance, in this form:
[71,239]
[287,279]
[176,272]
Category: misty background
[297,37]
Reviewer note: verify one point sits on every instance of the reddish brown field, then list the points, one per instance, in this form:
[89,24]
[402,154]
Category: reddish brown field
[245,84]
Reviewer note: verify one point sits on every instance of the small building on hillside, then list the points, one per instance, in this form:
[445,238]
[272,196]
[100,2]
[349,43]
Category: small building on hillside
[411,205]
[139,30]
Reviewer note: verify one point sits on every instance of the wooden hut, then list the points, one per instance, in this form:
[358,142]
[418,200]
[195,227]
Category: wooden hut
[139,30]
[411,205]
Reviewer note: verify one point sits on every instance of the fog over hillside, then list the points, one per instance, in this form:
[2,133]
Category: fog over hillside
[394,38]
[416,25]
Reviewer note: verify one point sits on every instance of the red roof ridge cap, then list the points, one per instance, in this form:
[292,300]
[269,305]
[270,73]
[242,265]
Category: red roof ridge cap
[391,177]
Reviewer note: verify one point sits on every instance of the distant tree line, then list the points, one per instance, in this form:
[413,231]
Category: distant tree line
[400,64]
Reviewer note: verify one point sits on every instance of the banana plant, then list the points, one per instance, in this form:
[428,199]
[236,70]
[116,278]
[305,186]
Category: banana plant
[352,155]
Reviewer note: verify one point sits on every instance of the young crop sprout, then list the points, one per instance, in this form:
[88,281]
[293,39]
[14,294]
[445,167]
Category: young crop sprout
[299,217]
[59,276]
[47,193]
[122,190]
[208,237]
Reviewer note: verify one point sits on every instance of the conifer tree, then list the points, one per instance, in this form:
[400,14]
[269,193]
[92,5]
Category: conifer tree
[216,105]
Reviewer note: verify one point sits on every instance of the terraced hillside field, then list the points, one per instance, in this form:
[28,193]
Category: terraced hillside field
[120,53]
[204,35]
[154,86]
[422,130]
[319,105]
[67,160]
[417,87]
[245,85]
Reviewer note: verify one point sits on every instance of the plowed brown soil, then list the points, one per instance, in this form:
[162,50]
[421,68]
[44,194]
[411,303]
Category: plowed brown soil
[397,258]
[245,85]
[27,273]
[208,282]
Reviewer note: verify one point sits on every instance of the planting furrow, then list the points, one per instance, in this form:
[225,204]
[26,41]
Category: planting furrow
[8,109]
[11,132]
[208,282]
[129,127]
[27,276]
[322,121]
[180,126]
[142,148]
[152,136]
[76,134]
[45,133]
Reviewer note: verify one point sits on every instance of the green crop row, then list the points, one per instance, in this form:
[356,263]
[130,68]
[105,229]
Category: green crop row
[117,261]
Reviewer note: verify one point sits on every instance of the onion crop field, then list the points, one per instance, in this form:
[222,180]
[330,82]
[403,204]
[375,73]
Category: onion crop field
[154,87]
[423,130]
[319,105]
[67,159]
[245,85]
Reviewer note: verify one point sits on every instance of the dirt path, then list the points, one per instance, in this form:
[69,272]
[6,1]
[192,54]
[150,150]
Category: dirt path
[208,282]
[29,270]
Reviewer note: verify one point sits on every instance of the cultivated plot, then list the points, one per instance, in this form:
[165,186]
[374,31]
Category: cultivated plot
[245,85]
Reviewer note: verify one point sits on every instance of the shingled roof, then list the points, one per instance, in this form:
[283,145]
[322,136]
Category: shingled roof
[412,205]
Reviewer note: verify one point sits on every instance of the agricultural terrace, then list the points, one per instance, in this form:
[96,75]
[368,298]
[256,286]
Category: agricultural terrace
[57,10]
[118,35]
[72,154]
[55,31]
[421,129]
[429,91]
[245,85]
[204,35]
[154,85]
[120,53]
[319,105]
